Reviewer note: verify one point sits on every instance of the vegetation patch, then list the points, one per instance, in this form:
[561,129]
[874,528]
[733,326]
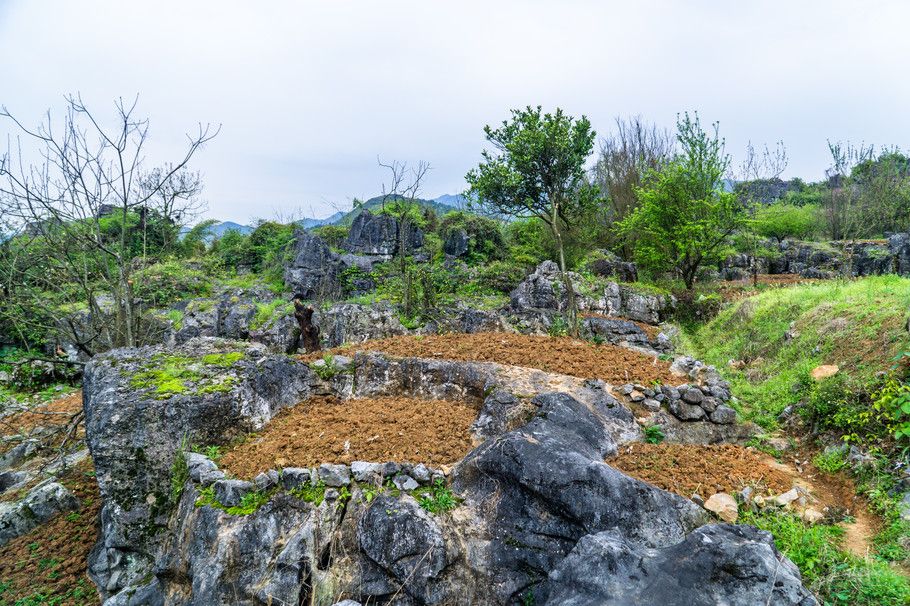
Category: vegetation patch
[168,375]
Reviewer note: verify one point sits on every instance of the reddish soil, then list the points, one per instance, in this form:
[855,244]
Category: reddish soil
[50,561]
[687,469]
[615,365]
[57,413]
[328,430]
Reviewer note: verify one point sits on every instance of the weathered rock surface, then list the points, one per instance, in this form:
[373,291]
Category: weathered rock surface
[530,497]
[544,290]
[722,564]
[39,505]
[134,431]
[378,235]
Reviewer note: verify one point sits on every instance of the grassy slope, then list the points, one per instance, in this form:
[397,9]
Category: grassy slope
[859,325]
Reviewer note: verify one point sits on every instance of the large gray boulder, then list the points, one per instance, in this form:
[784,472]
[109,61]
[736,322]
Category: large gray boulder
[143,406]
[544,291]
[378,235]
[718,564]
[313,271]
[39,505]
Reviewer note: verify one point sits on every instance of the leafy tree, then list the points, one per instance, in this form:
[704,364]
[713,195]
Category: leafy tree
[685,216]
[537,169]
[781,221]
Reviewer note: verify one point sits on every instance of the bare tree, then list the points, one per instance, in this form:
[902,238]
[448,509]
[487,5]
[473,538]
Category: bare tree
[765,165]
[634,149]
[74,211]
[174,195]
[399,198]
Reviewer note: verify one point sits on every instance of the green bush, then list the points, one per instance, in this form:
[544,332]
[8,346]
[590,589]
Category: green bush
[333,235]
[781,221]
[501,276]
[485,239]
[165,283]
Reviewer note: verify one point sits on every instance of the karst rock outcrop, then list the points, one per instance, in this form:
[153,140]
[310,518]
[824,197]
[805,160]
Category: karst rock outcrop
[540,515]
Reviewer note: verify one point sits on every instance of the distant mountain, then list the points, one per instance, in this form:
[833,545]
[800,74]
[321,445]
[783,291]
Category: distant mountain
[457,201]
[219,229]
[374,204]
[330,220]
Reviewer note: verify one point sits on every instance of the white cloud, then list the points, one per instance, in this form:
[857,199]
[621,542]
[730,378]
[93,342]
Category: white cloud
[310,93]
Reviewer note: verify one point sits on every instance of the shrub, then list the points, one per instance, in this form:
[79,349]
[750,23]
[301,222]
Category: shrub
[333,235]
[485,239]
[781,221]
[501,276]
[654,434]
[162,284]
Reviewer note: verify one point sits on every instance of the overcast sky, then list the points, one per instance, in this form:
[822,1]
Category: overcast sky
[309,93]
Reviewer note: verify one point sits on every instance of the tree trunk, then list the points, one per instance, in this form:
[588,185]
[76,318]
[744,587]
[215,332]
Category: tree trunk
[572,306]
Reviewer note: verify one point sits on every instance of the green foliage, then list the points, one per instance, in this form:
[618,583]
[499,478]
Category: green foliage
[311,493]
[169,375]
[262,251]
[165,283]
[485,238]
[500,276]
[869,314]
[266,312]
[559,327]
[781,221]
[831,461]
[180,473]
[837,577]
[685,218]
[437,498]
[333,235]
[327,369]
[654,434]
[249,503]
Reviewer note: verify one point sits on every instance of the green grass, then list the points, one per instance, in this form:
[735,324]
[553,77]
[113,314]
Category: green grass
[311,493]
[169,375]
[835,576]
[436,498]
[265,312]
[858,324]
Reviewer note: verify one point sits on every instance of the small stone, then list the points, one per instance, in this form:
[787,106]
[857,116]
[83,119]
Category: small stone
[294,477]
[335,475]
[724,415]
[709,404]
[724,506]
[639,387]
[197,464]
[266,479]
[696,498]
[759,500]
[660,397]
[652,405]
[230,492]
[812,516]
[365,472]
[693,396]
[331,495]
[649,393]
[686,412]
[209,477]
[746,494]
[820,373]
[636,396]
[390,469]
[903,507]
[626,389]
[785,499]
[405,482]
[342,362]
[720,393]
[421,473]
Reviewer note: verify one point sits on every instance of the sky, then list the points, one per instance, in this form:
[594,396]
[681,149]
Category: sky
[309,94]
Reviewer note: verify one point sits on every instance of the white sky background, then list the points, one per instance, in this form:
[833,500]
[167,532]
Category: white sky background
[309,93]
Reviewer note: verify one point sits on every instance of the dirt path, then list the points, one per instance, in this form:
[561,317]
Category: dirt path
[839,492]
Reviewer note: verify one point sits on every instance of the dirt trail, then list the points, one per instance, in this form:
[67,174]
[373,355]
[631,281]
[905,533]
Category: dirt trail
[837,492]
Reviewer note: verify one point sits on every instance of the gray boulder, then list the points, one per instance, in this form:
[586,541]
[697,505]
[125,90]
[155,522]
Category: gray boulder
[137,419]
[38,506]
[378,235]
[718,564]
[312,272]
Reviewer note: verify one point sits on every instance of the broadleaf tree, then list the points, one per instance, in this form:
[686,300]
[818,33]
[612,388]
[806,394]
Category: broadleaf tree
[536,169]
[685,217]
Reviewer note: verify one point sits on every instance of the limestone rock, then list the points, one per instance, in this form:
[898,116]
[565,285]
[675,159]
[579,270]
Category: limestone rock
[724,506]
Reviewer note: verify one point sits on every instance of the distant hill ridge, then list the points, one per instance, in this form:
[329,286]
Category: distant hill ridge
[442,205]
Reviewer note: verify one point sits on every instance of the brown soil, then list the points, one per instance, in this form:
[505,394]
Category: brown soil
[50,561]
[615,365]
[687,469]
[328,430]
[57,413]
[734,290]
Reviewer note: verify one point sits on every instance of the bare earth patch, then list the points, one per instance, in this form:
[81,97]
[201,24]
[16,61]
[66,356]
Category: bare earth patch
[615,365]
[55,414]
[329,430]
[687,469]
[50,561]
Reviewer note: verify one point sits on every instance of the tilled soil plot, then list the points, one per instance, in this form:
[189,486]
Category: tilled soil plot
[615,365]
[48,564]
[687,469]
[329,430]
[56,414]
